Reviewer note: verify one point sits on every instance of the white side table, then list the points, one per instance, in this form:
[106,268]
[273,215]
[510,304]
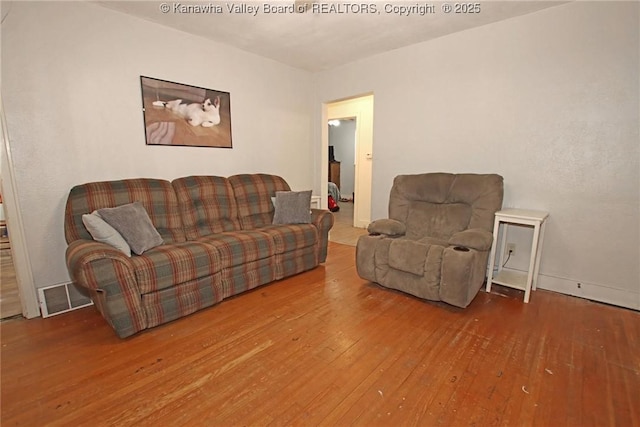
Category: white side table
[515,279]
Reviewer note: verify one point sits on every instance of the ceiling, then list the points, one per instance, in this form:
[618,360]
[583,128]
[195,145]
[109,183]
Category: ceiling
[327,35]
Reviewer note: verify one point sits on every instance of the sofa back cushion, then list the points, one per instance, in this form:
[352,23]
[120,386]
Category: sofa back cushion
[155,195]
[441,204]
[253,194]
[207,205]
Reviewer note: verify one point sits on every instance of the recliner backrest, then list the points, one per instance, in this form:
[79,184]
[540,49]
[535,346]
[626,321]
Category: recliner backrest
[441,204]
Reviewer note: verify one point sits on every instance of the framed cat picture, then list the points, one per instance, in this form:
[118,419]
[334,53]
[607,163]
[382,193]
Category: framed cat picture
[185,115]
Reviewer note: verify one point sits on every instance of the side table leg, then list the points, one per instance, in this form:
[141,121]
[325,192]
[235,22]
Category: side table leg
[492,257]
[537,267]
[532,262]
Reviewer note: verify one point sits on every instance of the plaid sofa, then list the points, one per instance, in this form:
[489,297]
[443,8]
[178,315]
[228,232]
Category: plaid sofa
[218,237]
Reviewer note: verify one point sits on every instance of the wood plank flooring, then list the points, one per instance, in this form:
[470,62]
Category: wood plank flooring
[328,348]
[9,295]
[343,230]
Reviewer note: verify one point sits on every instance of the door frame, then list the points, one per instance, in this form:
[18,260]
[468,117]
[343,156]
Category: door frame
[360,108]
[15,227]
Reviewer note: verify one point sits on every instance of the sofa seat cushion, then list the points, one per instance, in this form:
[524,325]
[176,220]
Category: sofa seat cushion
[168,265]
[291,237]
[241,247]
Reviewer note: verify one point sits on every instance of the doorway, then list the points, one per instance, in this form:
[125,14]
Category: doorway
[342,156]
[10,304]
[341,186]
[14,227]
[349,125]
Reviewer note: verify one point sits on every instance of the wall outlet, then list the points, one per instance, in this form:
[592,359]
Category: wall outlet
[511,249]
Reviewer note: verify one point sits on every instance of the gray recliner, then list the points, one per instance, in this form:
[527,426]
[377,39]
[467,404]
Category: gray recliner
[436,241]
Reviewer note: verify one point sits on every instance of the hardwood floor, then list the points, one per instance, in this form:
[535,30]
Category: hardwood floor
[9,296]
[327,348]
[343,230]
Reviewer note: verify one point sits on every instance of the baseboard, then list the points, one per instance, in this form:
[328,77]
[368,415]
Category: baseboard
[591,291]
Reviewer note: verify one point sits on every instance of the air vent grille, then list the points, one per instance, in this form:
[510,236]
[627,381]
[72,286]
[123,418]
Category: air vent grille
[58,299]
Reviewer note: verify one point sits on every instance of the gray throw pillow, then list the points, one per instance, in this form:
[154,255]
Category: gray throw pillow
[292,207]
[134,224]
[103,232]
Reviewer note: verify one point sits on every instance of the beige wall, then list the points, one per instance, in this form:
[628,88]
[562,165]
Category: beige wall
[71,90]
[550,101]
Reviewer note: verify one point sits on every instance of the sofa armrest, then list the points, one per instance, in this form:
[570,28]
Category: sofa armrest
[109,276]
[323,220]
[82,253]
[388,227]
[474,238]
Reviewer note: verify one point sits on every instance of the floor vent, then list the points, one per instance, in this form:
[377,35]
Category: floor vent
[58,299]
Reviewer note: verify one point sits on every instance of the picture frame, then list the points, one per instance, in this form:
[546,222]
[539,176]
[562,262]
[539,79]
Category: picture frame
[185,115]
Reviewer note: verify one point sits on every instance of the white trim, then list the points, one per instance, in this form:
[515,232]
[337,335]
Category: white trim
[591,291]
[21,262]
[586,290]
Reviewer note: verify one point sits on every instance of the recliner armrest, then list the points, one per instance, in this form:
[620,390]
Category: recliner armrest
[388,227]
[474,238]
